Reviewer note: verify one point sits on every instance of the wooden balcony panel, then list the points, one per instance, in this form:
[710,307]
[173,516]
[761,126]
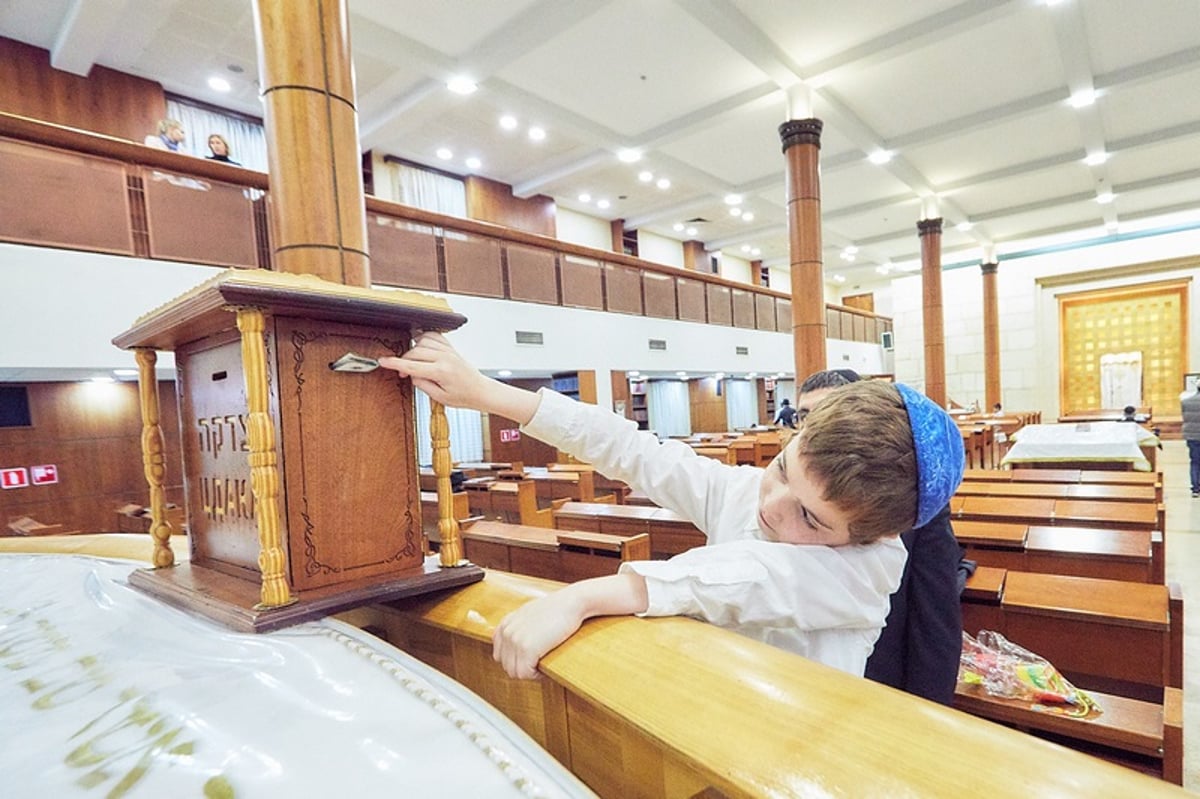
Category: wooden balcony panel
[532,275]
[199,220]
[691,300]
[659,293]
[472,265]
[833,323]
[860,328]
[623,289]
[743,308]
[582,285]
[63,199]
[403,254]
[764,311]
[783,315]
[720,305]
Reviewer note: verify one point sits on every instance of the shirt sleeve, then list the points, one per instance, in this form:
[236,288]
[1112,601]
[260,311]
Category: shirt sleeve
[762,584]
[668,472]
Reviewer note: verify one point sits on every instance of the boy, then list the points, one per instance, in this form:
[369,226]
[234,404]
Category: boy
[802,554]
[919,648]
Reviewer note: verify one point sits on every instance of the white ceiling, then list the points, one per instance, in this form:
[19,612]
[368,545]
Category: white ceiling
[970,96]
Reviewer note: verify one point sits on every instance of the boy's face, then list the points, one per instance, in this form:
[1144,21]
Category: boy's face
[791,509]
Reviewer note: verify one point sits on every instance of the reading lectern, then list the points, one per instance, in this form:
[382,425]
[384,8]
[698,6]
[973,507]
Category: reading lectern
[301,481]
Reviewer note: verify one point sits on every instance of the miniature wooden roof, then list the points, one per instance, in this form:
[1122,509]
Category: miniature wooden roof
[208,308]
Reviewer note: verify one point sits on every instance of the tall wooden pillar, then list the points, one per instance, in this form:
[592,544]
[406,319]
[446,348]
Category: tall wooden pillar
[930,231]
[695,257]
[991,337]
[318,221]
[801,150]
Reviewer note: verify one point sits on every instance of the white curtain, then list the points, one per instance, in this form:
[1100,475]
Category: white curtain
[669,408]
[741,404]
[1120,379]
[784,389]
[466,433]
[247,140]
[427,190]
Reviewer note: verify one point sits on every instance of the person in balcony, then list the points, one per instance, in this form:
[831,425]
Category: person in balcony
[170,136]
[219,149]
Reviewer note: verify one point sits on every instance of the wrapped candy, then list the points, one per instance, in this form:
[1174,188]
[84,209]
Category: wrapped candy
[1007,670]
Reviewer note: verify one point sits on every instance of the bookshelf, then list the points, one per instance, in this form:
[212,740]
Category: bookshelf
[579,385]
[637,404]
[766,400]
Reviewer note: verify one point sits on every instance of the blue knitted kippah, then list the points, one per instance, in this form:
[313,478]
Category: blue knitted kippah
[939,449]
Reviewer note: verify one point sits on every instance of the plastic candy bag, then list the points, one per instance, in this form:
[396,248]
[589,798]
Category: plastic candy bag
[1007,670]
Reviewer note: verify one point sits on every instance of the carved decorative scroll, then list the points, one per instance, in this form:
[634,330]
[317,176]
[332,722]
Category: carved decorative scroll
[264,472]
[153,460]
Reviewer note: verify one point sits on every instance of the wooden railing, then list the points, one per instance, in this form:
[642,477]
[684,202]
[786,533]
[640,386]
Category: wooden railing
[68,188]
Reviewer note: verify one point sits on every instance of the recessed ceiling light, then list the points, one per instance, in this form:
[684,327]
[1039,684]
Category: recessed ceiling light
[474,163]
[105,379]
[681,374]
[585,197]
[460,84]
[508,122]
[839,278]
[751,374]
[756,251]
[850,250]
[677,227]
[1096,159]
[445,153]
[125,372]
[633,373]
[719,376]
[748,217]
[964,226]
[846,256]
[505,373]
[218,84]
[602,203]
[883,269]
[1083,98]
[1112,227]
[745,248]
[880,157]
[691,231]
[536,133]
[1104,197]
[645,176]
[663,183]
[733,199]
[629,155]
[735,211]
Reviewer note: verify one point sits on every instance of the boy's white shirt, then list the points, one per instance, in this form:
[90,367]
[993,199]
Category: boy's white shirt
[828,604]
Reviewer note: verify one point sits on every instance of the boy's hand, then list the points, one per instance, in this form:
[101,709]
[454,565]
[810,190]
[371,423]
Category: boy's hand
[437,369]
[529,632]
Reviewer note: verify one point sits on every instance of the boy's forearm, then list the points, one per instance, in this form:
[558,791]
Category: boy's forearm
[613,595]
[508,401]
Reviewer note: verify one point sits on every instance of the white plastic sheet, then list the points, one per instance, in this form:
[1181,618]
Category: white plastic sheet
[105,692]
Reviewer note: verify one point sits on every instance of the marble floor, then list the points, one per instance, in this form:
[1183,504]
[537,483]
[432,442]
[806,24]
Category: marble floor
[1183,567]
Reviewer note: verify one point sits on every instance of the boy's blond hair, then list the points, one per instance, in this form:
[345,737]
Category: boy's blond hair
[857,444]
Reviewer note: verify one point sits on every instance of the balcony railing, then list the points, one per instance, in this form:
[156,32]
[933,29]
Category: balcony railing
[67,188]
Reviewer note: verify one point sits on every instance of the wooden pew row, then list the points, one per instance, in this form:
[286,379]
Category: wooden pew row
[601,485]
[512,501]
[1122,642]
[1069,512]
[429,509]
[1064,476]
[1131,555]
[572,485]
[546,553]
[1096,492]
[669,532]
[979,442]
[749,720]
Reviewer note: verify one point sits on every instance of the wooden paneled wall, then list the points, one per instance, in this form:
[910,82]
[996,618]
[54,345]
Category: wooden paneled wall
[526,449]
[106,101]
[92,433]
[708,407]
[492,201]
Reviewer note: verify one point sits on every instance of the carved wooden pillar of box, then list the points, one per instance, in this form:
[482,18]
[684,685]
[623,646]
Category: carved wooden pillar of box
[301,481]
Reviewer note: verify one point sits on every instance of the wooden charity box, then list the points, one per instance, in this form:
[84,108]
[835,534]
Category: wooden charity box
[301,484]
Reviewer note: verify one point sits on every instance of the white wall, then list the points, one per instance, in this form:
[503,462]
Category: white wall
[735,268]
[1029,357]
[587,231]
[659,249]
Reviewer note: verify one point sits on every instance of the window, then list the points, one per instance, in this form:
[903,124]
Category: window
[14,407]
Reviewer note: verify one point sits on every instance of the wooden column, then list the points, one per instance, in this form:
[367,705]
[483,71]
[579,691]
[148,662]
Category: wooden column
[616,229]
[991,337]
[756,273]
[801,150]
[318,220]
[930,231]
[695,257]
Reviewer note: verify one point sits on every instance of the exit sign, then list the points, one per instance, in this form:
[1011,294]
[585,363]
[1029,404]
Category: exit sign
[14,478]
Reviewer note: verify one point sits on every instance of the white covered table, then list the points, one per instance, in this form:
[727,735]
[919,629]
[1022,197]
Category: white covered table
[1119,442]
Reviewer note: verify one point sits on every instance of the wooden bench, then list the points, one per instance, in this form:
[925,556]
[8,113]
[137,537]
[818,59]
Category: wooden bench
[554,485]
[1097,492]
[429,509]
[1121,642]
[512,501]
[1132,555]
[1070,512]
[669,532]
[1064,476]
[549,554]
[601,485]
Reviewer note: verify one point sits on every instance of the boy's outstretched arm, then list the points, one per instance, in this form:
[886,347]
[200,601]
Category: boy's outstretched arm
[437,369]
[528,633]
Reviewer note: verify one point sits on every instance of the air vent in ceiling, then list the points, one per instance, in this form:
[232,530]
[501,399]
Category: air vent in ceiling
[529,337]
[742,350]
[659,344]
[696,220]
